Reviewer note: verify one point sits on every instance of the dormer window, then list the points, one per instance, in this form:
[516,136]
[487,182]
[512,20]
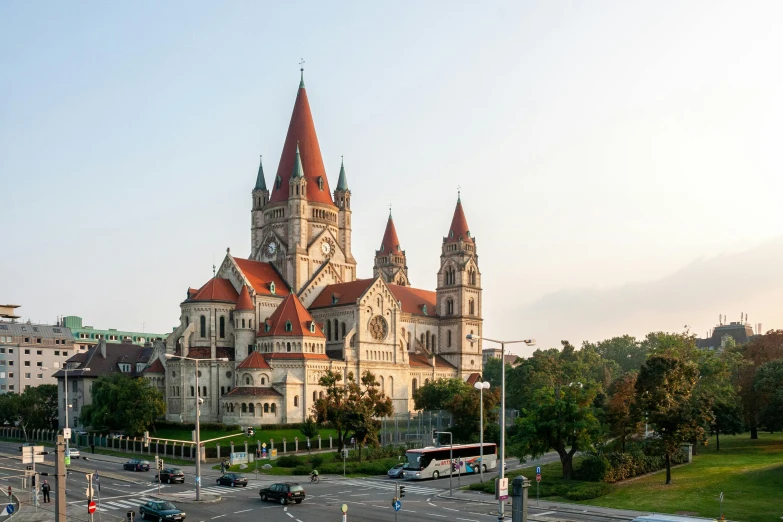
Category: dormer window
[312,327]
[272,287]
[125,368]
[335,298]
[288,326]
[267,327]
[467,233]
[278,182]
[451,233]
[424,309]
[320,183]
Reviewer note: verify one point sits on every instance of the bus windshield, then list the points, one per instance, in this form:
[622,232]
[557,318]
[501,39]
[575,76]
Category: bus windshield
[414,460]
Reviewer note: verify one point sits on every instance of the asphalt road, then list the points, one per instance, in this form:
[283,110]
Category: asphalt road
[368,499]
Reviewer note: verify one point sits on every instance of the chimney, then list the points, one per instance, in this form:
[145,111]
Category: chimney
[102,345]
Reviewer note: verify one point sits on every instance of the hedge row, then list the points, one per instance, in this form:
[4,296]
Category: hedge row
[615,466]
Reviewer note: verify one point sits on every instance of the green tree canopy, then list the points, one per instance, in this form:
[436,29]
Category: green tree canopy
[768,385]
[757,352]
[122,402]
[34,408]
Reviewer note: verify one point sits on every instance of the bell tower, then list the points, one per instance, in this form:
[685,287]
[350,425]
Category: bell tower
[458,296]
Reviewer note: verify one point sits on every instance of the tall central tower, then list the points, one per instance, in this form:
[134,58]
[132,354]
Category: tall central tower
[297,226]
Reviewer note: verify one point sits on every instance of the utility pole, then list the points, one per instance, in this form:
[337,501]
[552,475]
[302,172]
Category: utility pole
[59,502]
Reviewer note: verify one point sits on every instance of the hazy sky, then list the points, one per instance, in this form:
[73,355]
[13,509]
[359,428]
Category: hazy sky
[619,161]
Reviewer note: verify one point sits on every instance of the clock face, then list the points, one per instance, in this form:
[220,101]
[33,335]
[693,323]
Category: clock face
[326,247]
[272,248]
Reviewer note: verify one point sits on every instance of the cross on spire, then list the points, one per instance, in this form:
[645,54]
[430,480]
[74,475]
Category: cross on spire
[390,214]
[301,71]
[459,190]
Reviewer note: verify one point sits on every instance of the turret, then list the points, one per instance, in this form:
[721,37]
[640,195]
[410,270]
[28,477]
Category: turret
[244,315]
[297,222]
[342,198]
[390,261]
[260,199]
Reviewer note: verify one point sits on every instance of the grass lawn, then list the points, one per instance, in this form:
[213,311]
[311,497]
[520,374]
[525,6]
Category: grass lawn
[261,434]
[748,472]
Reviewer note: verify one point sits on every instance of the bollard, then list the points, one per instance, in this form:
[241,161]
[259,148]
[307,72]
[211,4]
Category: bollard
[519,487]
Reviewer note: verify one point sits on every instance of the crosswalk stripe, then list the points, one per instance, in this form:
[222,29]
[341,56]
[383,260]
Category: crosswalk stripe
[421,490]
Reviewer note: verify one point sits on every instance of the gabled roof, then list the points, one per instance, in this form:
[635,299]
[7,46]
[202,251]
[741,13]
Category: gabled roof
[341,293]
[260,274]
[156,367]
[252,391]
[244,302]
[100,366]
[290,311]
[423,361]
[254,361]
[216,289]
[473,378]
[301,131]
[413,300]
[459,226]
[296,355]
[390,243]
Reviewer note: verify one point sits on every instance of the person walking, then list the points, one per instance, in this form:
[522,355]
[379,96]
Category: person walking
[45,489]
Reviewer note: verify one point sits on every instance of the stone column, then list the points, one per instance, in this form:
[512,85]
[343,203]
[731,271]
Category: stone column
[283,444]
[319,442]
[330,442]
[296,444]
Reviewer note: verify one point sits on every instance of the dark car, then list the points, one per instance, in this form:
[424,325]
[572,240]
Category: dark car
[160,510]
[137,465]
[233,480]
[283,492]
[172,475]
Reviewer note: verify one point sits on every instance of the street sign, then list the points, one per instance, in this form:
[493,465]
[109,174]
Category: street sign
[88,492]
[501,488]
[397,505]
[538,477]
[721,496]
[538,470]
[91,507]
[263,445]
[66,433]
[9,508]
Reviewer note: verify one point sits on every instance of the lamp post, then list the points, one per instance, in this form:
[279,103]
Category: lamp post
[502,448]
[65,371]
[481,386]
[199,400]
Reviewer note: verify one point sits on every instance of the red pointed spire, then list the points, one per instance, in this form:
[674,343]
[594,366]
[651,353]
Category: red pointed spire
[301,130]
[244,302]
[459,226]
[390,242]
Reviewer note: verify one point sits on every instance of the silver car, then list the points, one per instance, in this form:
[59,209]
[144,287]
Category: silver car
[396,471]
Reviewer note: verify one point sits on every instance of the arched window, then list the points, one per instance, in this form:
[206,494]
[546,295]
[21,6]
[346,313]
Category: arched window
[222,390]
[203,391]
[448,338]
[415,385]
[288,326]
[449,306]
[288,347]
[263,380]
[296,401]
[278,182]
[320,395]
[192,391]
[328,330]
[382,387]
[472,277]
[472,307]
[243,323]
[391,386]
[251,408]
[427,340]
[247,380]
[434,342]
[244,408]
[203,327]
[336,330]
[315,396]
[273,408]
[266,408]
[187,321]
[222,327]
[342,327]
[320,183]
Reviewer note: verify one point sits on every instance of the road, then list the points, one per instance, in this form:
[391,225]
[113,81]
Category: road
[368,499]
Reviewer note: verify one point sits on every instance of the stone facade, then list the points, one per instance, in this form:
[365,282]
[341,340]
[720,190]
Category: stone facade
[265,329]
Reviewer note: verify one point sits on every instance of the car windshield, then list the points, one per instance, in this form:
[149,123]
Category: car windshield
[398,466]
[176,471]
[165,506]
[239,477]
[296,488]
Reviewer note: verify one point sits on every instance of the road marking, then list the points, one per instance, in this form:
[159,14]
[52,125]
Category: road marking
[431,504]
[451,509]
[360,495]
[341,492]
[467,519]
[219,516]
[429,499]
[434,515]
[545,513]
[243,511]
[290,515]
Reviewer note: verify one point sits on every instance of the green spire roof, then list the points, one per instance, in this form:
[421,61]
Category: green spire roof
[342,181]
[298,171]
[260,181]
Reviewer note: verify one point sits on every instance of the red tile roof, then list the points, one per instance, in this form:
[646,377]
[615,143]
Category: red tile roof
[424,361]
[291,309]
[413,300]
[473,378]
[296,355]
[244,302]
[200,353]
[254,361]
[216,289]
[253,391]
[301,131]
[260,274]
[341,293]
[390,243]
[459,226]
[156,367]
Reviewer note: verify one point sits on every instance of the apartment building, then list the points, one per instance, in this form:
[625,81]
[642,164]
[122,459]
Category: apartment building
[30,354]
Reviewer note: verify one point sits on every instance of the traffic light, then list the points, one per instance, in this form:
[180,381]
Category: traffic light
[454,466]
[402,491]
[434,436]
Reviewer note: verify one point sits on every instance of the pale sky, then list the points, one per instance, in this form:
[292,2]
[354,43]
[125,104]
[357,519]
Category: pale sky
[620,161]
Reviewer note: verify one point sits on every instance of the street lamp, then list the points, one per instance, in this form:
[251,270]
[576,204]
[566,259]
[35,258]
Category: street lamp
[65,371]
[481,386]
[529,342]
[199,400]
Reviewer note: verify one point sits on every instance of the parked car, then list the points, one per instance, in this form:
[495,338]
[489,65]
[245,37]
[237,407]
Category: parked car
[74,453]
[161,510]
[283,492]
[170,475]
[233,480]
[396,471]
[137,465]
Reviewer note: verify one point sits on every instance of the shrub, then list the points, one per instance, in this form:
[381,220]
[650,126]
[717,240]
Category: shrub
[587,491]
[302,469]
[614,466]
[288,461]
[316,461]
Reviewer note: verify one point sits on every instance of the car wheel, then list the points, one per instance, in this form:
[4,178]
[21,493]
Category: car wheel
[435,474]
[263,497]
[283,501]
[169,480]
[233,485]
[298,501]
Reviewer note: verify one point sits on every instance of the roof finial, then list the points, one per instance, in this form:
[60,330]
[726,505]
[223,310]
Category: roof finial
[390,206]
[459,197]
[301,70]
[213,270]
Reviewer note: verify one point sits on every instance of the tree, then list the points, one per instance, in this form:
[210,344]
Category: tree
[309,428]
[715,387]
[352,407]
[628,353]
[768,385]
[122,402]
[757,352]
[560,413]
[619,415]
[727,419]
[462,401]
[34,408]
[664,395]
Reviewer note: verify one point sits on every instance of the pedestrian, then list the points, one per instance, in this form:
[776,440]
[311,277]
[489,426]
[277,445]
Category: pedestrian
[258,453]
[45,488]
[92,448]
[223,467]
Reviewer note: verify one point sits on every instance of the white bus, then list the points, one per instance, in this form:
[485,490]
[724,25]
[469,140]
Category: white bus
[424,463]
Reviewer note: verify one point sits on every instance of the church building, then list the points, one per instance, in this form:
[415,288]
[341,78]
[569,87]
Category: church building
[266,327]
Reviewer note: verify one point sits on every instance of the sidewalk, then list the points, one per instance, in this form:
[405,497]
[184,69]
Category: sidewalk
[577,509]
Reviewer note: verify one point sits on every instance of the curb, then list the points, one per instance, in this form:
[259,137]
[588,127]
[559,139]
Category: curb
[171,498]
